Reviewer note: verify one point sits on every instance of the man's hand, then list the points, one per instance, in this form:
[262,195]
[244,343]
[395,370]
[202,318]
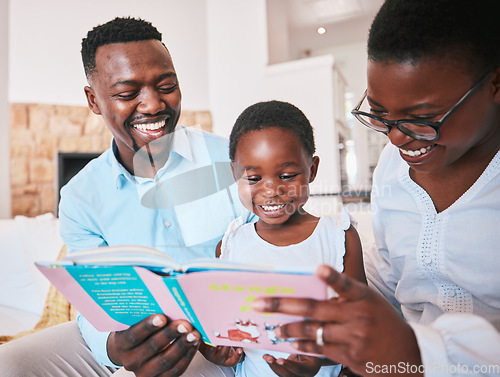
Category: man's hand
[294,365]
[155,346]
[222,355]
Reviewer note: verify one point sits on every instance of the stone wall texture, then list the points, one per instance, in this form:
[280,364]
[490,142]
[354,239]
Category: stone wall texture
[38,132]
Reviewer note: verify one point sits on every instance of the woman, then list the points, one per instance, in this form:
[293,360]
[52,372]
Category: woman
[434,90]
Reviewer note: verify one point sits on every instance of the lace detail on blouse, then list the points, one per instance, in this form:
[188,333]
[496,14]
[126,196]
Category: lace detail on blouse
[430,249]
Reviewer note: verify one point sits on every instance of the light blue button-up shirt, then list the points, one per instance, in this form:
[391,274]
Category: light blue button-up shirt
[183,211]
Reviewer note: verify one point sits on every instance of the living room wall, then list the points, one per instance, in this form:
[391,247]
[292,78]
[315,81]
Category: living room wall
[43,91]
[44,52]
[45,42]
[5,210]
[219,48]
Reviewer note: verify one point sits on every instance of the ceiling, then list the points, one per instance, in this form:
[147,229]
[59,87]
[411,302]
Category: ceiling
[306,14]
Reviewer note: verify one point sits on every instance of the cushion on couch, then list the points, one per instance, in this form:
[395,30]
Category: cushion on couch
[23,289]
[56,310]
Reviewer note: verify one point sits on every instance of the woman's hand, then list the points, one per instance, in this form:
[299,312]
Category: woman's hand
[222,355]
[359,328]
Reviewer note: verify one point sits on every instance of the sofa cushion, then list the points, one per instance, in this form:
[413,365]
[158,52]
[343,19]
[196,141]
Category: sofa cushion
[23,241]
[15,323]
[13,320]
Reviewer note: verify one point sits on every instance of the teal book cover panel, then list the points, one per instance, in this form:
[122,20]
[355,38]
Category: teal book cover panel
[118,290]
[177,292]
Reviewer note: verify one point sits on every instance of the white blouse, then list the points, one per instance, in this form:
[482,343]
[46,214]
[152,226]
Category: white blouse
[442,270]
[326,245]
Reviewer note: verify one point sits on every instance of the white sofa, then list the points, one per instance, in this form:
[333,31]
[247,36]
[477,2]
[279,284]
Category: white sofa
[23,289]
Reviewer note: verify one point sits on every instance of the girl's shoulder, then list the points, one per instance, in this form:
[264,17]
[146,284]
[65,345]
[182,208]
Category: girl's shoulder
[236,227]
[342,221]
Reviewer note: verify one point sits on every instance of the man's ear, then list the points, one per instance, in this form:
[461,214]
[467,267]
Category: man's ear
[496,85]
[314,168]
[91,100]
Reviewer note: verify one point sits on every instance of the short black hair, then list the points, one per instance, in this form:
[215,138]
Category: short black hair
[118,30]
[460,30]
[262,115]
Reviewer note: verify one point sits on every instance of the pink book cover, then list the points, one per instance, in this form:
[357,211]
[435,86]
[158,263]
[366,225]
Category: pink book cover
[223,300]
[217,302]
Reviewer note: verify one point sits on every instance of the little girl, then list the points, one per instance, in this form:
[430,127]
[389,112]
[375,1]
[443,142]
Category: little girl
[272,152]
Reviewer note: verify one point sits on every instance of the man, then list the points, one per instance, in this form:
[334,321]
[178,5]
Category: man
[159,185]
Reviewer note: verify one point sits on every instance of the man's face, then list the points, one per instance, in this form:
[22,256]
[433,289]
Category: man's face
[135,89]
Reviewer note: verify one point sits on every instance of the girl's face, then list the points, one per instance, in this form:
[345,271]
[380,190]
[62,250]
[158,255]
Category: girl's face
[426,91]
[273,172]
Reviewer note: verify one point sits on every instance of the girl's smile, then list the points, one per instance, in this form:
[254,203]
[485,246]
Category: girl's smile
[274,210]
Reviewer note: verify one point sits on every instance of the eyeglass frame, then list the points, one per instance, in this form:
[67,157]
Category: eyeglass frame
[434,125]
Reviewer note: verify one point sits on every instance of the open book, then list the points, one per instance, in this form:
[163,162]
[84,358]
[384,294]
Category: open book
[115,287]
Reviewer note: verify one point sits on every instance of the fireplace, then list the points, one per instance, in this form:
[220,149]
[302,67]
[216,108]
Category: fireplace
[68,164]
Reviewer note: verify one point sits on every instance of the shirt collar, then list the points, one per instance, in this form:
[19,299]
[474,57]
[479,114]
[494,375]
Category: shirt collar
[181,144]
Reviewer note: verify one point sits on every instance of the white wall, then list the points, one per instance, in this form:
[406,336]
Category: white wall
[5,211]
[240,76]
[45,42]
[278,31]
[308,84]
[219,48]
[351,59]
[237,39]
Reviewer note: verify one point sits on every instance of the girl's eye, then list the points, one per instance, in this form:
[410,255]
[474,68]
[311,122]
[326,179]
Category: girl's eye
[288,177]
[252,179]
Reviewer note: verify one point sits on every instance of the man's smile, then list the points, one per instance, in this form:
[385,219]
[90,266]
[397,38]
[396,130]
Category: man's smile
[149,126]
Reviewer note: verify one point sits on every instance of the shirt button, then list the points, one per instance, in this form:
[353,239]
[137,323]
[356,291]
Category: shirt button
[452,293]
[428,260]
[168,224]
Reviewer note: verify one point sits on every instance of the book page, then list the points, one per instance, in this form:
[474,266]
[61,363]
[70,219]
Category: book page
[118,290]
[113,298]
[129,255]
[223,300]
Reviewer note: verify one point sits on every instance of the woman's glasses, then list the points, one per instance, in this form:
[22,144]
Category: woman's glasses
[417,129]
